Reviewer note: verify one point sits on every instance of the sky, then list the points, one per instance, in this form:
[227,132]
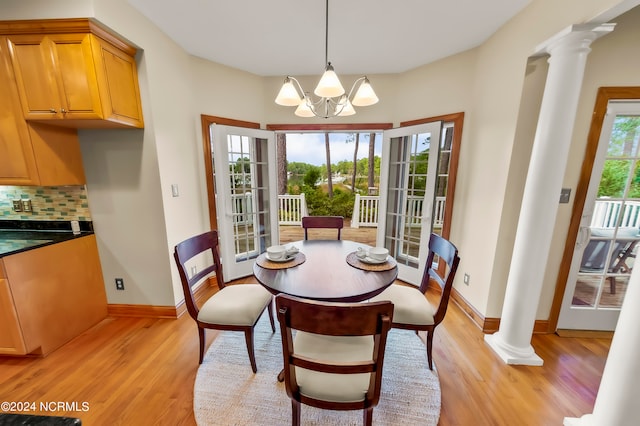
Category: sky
[309,147]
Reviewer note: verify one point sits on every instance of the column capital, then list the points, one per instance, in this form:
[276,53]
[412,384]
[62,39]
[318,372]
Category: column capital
[579,36]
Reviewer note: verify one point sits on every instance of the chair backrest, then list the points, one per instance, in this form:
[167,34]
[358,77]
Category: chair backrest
[441,270]
[188,250]
[334,222]
[333,319]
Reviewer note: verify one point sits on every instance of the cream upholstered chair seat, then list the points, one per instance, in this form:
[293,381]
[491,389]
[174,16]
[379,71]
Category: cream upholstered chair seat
[335,360]
[410,306]
[411,309]
[233,307]
[240,304]
[328,386]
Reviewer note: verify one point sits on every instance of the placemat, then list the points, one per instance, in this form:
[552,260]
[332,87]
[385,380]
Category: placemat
[353,260]
[265,263]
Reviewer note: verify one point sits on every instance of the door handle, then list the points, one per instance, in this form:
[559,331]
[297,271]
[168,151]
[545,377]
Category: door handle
[427,212]
[584,235]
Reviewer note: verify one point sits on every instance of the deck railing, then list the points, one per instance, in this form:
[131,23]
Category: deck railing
[291,209]
[242,209]
[365,211]
[606,214]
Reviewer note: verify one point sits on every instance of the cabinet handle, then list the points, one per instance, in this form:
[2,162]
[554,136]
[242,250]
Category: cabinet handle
[64,111]
[53,110]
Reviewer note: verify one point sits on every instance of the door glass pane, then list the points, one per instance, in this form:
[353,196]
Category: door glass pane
[609,255]
[248,174]
[442,179]
[408,170]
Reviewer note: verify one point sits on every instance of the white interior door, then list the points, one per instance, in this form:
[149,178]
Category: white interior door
[408,175]
[245,186]
[606,246]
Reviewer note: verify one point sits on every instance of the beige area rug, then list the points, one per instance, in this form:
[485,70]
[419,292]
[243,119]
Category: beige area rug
[227,393]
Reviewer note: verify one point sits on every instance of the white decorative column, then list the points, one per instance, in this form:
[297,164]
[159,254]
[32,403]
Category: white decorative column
[617,401]
[568,52]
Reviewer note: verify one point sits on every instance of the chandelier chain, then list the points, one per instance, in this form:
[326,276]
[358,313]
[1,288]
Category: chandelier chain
[333,99]
[326,33]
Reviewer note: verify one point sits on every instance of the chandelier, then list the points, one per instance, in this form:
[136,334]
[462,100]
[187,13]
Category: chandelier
[332,99]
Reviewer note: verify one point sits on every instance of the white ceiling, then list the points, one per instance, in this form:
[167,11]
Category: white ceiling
[280,37]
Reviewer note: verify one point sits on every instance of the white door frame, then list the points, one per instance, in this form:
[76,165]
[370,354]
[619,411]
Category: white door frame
[587,317]
[234,265]
[410,268]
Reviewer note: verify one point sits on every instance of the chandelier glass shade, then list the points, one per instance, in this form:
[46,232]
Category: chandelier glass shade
[332,100]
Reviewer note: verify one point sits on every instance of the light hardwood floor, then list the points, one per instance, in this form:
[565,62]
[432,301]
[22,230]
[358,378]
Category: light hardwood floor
[140,371]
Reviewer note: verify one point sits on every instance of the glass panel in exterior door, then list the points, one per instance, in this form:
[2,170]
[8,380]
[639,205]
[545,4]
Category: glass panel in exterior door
[408,195]
[248,173]
[443,177]
[608,257]
[246,222]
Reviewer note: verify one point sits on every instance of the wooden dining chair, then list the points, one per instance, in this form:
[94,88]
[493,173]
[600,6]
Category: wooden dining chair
[412,309]
[232,307]
[335,360]
[322,222]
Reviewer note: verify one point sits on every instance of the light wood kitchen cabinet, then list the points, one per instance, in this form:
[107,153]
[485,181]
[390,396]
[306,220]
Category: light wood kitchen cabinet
[33,154]
[73,73]
[11,339]
[49,295]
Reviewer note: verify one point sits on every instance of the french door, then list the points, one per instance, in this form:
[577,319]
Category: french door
[245,189]
[606,246]
[408,178]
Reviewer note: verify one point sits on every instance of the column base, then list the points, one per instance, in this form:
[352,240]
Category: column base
[511,354]
[578,421]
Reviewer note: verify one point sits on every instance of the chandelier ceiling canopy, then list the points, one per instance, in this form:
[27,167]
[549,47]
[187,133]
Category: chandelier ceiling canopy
[332,100]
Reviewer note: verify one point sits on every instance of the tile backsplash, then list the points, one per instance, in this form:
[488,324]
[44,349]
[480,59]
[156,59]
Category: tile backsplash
[47,203]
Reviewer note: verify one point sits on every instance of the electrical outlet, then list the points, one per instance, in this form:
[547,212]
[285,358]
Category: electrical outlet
[119,284]
[17,205]
[26,205]
[466,278]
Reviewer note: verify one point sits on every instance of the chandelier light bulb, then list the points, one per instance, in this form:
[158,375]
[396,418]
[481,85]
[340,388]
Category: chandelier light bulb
[304,110]
[288,95]
[329,85]
[365,96]
[347,108]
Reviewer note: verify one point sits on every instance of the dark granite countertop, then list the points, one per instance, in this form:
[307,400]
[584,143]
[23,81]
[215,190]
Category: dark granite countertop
[20,235]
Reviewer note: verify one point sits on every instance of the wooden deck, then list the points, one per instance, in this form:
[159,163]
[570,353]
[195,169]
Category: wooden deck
[290,233]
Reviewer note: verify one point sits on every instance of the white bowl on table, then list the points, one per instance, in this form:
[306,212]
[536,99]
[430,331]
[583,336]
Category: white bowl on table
[276,252]
[378,253]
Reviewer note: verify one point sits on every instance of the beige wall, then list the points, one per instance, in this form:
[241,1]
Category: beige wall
[130,172]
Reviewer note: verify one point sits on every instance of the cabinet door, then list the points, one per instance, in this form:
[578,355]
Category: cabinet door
[58,292]
[118,81]
[33,68]
[76,76]
[11,340]
[17,162]
[56,77]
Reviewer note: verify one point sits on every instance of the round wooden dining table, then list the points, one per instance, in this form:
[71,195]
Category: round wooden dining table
[325,273]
